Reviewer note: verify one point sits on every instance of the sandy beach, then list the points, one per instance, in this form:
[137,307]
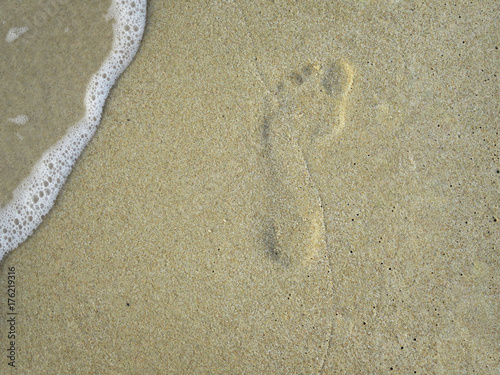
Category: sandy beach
[279,188]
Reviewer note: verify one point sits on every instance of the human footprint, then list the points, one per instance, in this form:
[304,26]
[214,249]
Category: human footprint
[308,108]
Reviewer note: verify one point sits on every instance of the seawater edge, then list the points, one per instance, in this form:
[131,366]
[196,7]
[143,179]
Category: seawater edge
[34,197]
[46,72]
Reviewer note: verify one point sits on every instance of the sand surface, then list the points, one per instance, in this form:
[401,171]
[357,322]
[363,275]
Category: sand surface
[279,188]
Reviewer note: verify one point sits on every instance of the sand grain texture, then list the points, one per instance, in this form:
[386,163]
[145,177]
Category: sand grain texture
[159,256]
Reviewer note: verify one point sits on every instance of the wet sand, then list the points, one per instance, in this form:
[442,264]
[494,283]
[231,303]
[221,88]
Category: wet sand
[279,189]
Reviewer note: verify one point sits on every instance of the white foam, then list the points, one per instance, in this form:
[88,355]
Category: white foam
[36,194]
[19,120]
[15,33]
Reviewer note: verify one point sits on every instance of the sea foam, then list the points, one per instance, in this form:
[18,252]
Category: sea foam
[35,195]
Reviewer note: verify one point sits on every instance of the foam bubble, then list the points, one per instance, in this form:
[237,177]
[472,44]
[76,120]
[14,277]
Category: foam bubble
[15,33]
[19,120]
[36,194]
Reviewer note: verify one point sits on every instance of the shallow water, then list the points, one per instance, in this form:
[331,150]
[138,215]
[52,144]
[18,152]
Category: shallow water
[45,72]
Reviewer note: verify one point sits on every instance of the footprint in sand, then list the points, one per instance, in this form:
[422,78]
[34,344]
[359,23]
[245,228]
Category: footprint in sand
[306,110]
[316,98]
